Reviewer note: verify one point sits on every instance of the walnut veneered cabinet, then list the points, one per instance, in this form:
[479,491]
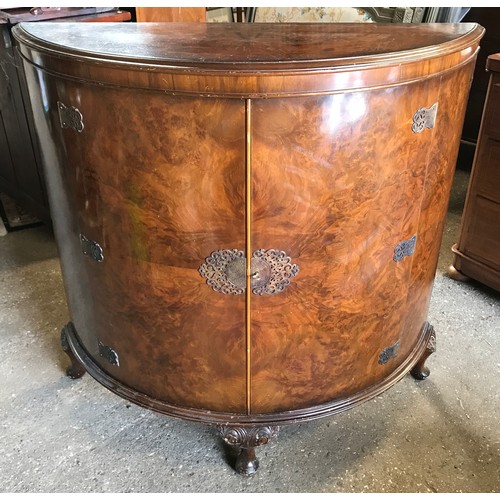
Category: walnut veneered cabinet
[248,216]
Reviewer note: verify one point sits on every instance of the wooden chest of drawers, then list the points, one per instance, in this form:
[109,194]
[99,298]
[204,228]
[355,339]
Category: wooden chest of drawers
[249,216]
[477,253]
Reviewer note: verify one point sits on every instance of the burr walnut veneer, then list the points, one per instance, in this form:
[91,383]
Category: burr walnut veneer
[248,216]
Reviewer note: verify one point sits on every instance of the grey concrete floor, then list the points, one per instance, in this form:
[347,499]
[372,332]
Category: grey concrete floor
[61,435]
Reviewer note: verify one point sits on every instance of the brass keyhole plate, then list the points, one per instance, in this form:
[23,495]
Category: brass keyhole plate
[260,272]
[270,271]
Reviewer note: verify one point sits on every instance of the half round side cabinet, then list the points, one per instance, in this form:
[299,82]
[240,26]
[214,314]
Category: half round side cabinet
[248,216]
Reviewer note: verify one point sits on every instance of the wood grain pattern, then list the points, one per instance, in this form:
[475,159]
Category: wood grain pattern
[249,60]
[158,204]
[347,203]
[170,14]
[454,88]
[251,420]
[334,176]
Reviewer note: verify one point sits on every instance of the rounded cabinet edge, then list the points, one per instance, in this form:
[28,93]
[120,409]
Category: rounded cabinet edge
[255,80]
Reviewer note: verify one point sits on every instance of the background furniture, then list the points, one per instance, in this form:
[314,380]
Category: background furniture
[489,18]
[477,253]
[21,175]
[20,167]
[170,14]
[249,216]
[356,14]
[20,171]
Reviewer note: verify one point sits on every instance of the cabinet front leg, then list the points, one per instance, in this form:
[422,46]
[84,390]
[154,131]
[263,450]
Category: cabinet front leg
[76,370]
[246,439]
[247,462]
[420,371]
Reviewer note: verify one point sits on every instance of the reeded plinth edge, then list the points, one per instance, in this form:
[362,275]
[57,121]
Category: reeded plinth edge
[76,370]
[414,359]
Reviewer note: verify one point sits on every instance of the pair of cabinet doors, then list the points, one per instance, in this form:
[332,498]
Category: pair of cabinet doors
[336,185]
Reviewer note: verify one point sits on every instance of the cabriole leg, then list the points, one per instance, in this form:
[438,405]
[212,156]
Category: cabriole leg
[420,371]
[247,462]
[76,370]
[246,439]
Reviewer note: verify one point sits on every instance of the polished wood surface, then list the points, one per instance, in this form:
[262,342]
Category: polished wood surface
[477,252]
[346,207]
[157,210]
[170,14]
[251,60]
[189,147]
[219,44]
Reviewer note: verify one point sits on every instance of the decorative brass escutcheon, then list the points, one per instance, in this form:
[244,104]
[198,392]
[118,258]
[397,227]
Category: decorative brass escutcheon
[389,353]
[260,272]
[424,118]
[91,248]
[108,354]
[404,249]
[270,271]
[70,117]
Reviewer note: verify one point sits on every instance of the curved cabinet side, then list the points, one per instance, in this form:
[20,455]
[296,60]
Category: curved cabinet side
[439,178]
[157,182]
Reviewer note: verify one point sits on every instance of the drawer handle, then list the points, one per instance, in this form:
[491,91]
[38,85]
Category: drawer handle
[270,271]
[424,118]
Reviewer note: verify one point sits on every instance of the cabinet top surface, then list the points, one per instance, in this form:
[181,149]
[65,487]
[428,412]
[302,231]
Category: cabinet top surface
[249,46]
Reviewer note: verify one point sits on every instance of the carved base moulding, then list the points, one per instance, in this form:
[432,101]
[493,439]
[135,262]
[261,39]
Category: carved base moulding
[248,216]
[246,432]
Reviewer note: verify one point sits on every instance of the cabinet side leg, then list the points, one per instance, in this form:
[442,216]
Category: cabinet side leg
[420,371]
[76,370]
[246,439]
[456,275]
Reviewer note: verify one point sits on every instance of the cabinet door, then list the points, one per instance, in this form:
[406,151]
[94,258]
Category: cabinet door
[157,181]
[337,184]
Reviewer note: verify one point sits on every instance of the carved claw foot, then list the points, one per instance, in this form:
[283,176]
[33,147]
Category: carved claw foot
[420,371]
[246,439]
[76,370]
